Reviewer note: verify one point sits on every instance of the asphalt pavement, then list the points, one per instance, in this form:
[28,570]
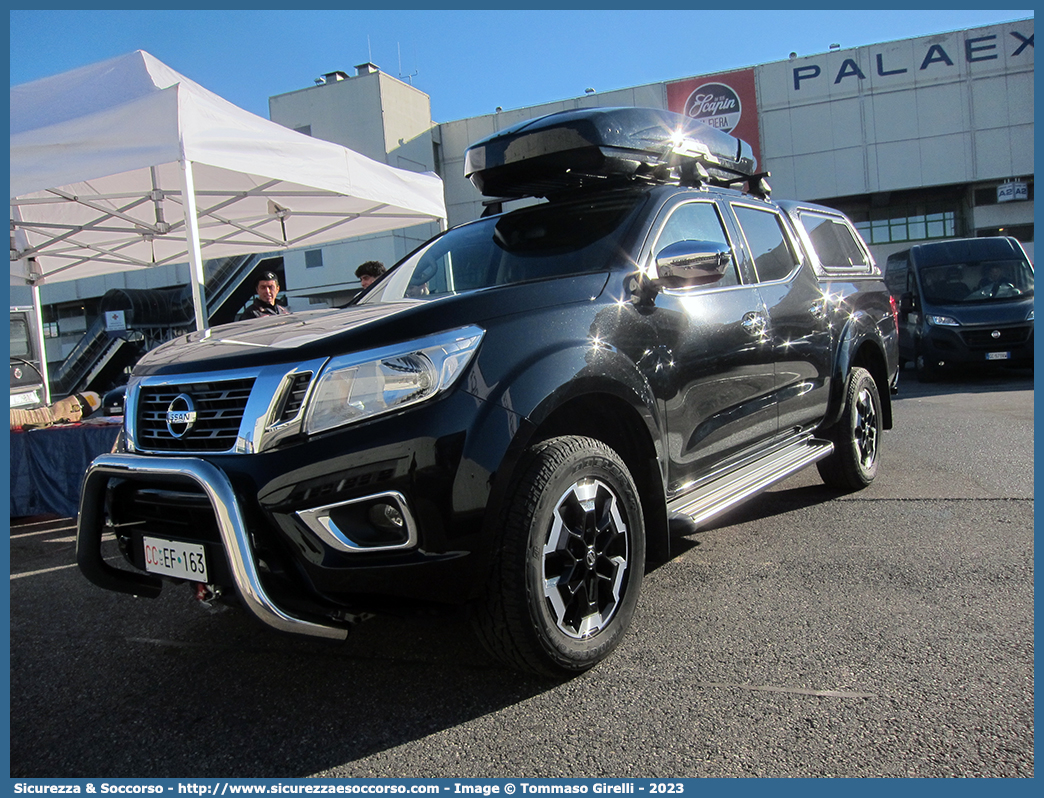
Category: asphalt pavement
[883,633]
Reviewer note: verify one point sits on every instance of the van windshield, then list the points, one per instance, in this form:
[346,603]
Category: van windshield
[977,281]
[534,243]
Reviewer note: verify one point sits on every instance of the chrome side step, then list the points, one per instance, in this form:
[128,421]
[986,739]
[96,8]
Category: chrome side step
[714,498]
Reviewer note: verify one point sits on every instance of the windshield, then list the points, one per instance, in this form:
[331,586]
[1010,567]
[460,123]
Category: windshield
[977,281]
[534,243]
[20,338]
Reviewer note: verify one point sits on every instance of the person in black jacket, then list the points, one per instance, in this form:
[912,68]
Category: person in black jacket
[267,288]
[369,271]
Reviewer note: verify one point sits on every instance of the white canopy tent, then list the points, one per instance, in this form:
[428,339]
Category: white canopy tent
[106,158]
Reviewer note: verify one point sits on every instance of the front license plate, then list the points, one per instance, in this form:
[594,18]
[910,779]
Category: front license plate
[998,355]
[173,558]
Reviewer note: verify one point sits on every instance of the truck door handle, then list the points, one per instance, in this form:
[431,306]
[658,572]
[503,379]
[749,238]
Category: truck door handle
[754,323]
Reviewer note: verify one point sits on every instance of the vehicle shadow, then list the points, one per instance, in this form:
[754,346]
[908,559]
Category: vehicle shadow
[103,685]
[970,381]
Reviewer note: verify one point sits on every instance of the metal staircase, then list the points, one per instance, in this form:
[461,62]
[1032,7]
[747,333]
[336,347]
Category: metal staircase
[153,316]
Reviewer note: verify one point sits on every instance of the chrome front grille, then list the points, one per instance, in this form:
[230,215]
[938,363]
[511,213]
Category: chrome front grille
[295,396]
[219,408]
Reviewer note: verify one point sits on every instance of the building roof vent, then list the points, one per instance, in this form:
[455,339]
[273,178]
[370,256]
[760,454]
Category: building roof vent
[366,69]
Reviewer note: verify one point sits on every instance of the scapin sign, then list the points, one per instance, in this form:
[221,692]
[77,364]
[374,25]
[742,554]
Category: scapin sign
[727,102]
[715,104]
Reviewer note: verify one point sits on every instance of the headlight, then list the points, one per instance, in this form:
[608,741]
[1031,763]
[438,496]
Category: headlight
[1030,316]
[943,321]
[367,384]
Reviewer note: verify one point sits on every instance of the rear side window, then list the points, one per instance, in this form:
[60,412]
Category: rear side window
[834,242]
[774,257]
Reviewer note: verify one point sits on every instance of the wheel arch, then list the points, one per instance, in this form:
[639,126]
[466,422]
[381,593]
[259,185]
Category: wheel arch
[600,413]
[860,345]
[872,358]
[622,428]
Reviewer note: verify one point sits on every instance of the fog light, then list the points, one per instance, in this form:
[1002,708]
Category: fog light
[381,522]
[387,517]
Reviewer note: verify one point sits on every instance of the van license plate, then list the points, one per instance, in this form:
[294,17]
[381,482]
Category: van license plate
[174,558]
[998,355]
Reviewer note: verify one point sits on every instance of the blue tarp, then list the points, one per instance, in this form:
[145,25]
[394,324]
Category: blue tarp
[47,466]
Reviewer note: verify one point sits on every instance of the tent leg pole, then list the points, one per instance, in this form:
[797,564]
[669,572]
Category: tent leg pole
[30,273]
[192,240]
[41,344]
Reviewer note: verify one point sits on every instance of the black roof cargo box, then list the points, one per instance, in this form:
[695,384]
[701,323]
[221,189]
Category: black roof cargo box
[592,146]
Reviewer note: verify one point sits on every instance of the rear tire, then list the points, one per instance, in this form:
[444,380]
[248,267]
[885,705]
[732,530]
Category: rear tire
[856,436]
[568,563]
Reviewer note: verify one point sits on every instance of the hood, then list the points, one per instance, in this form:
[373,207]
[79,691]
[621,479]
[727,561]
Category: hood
[1008,311]
[325,333]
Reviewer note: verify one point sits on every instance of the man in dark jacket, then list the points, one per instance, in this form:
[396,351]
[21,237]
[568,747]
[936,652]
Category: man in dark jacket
[368,272]
[267,288]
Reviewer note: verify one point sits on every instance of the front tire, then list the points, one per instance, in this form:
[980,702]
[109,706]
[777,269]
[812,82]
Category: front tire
[856,436]
[569,560]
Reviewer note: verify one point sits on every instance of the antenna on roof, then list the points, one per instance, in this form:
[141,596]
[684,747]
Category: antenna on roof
[408,77]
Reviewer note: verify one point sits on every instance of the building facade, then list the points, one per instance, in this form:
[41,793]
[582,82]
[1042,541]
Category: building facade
[916,139]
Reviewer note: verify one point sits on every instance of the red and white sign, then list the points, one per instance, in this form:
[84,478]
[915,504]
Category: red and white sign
[727,101]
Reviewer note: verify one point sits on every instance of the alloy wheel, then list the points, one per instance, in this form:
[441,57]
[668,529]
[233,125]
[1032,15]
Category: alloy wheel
[585,559]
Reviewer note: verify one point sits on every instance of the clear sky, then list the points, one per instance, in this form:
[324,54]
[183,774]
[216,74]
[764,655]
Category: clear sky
[468,61]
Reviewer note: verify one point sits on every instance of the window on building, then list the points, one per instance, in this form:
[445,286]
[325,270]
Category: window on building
[313,258]
[1020,232]
[71,318]
[909,223]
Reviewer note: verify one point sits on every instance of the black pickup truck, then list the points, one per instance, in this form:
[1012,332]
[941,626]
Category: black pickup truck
[519,414]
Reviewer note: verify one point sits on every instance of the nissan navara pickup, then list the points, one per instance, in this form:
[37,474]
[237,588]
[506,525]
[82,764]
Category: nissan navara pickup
[518,414]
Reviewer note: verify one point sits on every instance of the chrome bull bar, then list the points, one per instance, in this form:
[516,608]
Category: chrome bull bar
[234,536]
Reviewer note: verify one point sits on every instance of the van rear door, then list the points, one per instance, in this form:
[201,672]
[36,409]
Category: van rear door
[27,384]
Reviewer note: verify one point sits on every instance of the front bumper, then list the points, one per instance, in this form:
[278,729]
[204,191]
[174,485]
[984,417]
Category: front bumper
[292,530]
[1010,345]
[235,537]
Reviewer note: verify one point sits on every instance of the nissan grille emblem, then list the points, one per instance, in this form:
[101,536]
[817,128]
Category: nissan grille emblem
[995,334]
[181,415]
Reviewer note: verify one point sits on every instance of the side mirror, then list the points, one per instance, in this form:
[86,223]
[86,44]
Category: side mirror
[692,263]
[907,303]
